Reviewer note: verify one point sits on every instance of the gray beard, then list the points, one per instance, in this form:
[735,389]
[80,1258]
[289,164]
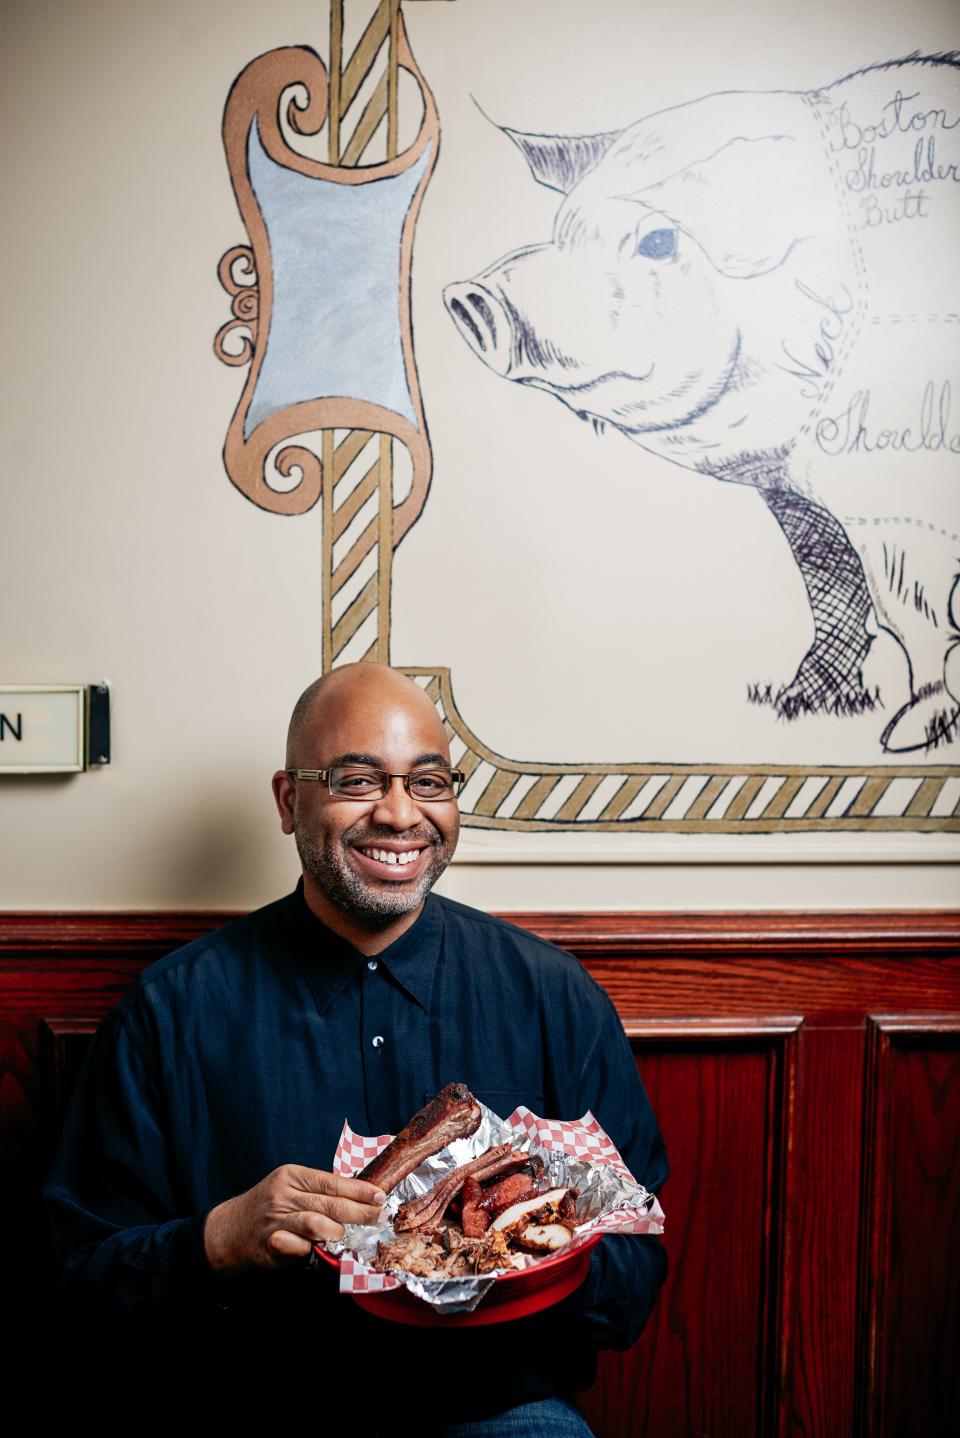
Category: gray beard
[347,891]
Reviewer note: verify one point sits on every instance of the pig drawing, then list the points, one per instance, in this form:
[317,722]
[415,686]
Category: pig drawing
[764,287]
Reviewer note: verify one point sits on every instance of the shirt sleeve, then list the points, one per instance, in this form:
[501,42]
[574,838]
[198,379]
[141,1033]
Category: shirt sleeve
[110,1200]
[626,1270]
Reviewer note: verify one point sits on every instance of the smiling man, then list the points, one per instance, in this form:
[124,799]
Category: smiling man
[194,1173]
[370,858]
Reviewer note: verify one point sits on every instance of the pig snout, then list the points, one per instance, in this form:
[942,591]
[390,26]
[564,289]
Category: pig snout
[483,321]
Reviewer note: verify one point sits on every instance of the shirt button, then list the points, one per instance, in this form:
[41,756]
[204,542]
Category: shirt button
[371,964]
[377,1041]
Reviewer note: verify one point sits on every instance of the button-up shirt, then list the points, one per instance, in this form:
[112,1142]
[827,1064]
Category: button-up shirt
[247,1049]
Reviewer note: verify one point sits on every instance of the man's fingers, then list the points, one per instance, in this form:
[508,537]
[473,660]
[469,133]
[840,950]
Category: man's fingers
[328,1224]
[342,1210]
[288,1245]
[316,1181]
[313,1227]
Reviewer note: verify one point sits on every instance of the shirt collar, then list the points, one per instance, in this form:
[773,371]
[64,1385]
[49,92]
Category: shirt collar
[329,962]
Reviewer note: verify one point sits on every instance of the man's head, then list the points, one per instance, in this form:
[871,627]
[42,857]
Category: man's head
[359,876]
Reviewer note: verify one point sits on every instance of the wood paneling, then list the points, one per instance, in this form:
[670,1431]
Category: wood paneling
[910,1280]
[63,1043]
[723,1095]
[804,1069]
[823,1233]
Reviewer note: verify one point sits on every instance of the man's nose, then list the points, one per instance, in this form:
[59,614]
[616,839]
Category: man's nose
[396,808]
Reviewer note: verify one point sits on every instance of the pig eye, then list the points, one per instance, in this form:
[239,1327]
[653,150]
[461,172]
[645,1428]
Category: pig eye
[658,245]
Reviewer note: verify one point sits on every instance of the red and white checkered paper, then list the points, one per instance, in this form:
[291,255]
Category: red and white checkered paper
[583,1139]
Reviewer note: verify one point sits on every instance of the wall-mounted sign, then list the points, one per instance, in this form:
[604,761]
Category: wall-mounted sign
[53,728]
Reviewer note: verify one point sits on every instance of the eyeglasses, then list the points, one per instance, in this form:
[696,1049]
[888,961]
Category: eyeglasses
[347,781]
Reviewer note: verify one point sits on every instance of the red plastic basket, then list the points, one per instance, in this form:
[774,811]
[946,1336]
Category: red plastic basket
[513,1295]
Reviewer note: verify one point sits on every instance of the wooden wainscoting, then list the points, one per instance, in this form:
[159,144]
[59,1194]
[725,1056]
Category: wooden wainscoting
[805,1070]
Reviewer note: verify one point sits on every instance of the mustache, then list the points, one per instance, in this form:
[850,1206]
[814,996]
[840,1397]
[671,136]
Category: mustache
[424,834]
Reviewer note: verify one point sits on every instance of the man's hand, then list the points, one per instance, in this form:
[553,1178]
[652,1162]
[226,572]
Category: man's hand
[283,1215]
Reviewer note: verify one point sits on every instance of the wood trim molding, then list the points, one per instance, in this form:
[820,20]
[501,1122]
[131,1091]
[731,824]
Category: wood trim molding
[77,933]
[769,931]
[590,934]
[751,1026]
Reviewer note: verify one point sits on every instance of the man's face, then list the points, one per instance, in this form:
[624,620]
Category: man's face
[374,860]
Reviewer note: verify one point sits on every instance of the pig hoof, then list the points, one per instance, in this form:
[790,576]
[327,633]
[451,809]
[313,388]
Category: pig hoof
[951,671]
[798,698]
[928,722]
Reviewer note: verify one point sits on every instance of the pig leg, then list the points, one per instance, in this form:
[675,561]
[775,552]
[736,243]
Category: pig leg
[829,677]
[926,721]
[912,575]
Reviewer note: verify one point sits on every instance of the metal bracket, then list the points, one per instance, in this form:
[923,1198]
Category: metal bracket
[98,724]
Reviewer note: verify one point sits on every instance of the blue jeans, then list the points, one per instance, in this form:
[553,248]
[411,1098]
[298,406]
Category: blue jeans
[550,1418]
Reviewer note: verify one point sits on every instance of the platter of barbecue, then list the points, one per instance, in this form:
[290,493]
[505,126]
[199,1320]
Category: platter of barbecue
[482,1208]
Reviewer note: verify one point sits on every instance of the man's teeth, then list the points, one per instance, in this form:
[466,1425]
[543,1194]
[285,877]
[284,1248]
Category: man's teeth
[390,856]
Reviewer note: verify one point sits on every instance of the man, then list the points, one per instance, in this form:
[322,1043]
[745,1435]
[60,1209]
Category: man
[194,1170]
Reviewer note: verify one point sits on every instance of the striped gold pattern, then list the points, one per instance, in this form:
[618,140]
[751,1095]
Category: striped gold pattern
[376,46]
[759,800]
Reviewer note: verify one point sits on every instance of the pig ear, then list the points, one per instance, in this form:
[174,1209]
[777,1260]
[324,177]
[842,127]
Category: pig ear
[746,205]
[561,161]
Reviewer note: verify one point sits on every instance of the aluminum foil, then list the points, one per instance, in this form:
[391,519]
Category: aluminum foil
[602,1192]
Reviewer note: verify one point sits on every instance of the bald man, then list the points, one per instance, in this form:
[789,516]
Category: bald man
[194,1171]
[368,901]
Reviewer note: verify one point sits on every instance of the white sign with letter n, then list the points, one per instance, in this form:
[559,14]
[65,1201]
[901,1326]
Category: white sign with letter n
[42,728]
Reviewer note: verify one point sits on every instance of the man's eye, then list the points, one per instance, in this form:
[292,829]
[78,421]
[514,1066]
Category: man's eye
[358,783]
[426,785]
[658,245]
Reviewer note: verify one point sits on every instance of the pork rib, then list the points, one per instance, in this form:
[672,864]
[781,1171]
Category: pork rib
[417,1212]
[426,1206]
[454,1113]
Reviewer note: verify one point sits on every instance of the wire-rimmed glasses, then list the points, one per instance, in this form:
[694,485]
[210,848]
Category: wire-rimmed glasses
[356,781]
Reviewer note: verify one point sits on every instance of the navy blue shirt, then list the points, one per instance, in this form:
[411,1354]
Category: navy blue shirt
[247,1049]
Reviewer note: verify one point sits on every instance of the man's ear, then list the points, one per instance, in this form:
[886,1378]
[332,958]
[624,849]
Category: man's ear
[284,793]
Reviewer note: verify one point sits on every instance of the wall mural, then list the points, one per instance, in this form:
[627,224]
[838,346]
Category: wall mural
[740,285]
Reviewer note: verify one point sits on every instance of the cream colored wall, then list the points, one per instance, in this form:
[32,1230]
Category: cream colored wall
[126,554]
